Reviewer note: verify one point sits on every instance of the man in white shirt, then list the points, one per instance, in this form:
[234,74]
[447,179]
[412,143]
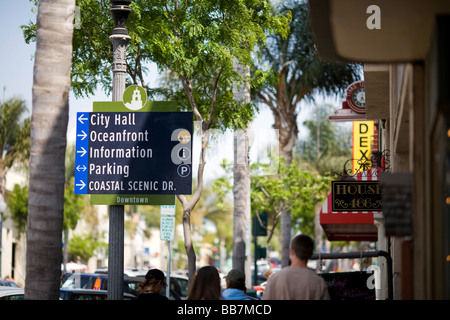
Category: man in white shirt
[297,282]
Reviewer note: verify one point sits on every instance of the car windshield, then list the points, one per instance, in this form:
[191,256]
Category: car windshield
[81,281]
[178,289]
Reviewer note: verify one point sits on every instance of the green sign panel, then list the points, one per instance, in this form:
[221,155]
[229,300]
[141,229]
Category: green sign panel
[134,100]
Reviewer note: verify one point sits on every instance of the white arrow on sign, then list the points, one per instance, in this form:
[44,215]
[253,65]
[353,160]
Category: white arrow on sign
[81,119]
[83,135]
[83,152]
[81,168]
[81,185]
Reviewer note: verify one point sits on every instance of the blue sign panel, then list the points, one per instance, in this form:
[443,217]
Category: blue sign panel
[81,155]
[133,153]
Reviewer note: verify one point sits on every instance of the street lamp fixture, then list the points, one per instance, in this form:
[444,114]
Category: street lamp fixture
[120,9]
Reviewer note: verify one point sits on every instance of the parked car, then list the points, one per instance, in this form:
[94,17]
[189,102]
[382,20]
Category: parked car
[99,281]
[130,272]
[11,293]
[88,294]
[7,283]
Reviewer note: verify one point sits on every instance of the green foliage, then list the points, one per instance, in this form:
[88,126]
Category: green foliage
[219,210]
[297,69]
[73,206]
[83,247]
[327,145]
[15,150]
[292,189]
[18,206]
[14,133]
[197,40]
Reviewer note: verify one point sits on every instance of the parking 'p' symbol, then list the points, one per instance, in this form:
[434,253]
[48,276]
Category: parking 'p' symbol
[183,170]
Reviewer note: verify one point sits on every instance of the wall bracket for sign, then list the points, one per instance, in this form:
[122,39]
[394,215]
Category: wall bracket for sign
[378,159]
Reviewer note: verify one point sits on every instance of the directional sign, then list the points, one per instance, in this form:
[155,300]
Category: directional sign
[133,153]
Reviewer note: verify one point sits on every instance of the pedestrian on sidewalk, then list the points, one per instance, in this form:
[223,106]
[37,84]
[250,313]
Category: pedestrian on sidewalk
[206,285]
[297,282]
[236,289]
[151,287]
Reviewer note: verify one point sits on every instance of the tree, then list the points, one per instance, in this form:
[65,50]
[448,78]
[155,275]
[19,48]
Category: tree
[82,247]
[292,189]
[327,146]
[197,41]
[14,137]
[51,84]
[18,207]
[297,74]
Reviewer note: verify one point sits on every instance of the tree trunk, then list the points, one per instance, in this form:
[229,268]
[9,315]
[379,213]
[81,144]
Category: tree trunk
[188,206]
[241,192]
[286,123]
[286,226]
[241,187]
[51,84]
[318,232]
[188,245]
[65,250]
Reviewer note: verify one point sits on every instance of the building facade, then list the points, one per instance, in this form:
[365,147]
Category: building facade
[405,49]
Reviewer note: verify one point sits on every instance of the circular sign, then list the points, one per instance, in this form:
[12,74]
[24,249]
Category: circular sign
[184,136]
[134,97]
[184,154]
[356,97]
[183,170]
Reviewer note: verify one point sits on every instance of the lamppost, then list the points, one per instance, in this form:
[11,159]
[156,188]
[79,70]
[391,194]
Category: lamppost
[119,10]
[2,210]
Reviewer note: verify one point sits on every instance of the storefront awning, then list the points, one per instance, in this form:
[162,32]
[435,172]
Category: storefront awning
[351,225]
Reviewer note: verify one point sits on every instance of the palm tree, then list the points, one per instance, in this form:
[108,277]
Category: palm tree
[51,84]
[14,137]
[297,73]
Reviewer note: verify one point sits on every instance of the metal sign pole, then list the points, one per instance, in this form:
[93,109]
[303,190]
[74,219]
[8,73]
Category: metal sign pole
[167,231]
[119,38]
[168,270]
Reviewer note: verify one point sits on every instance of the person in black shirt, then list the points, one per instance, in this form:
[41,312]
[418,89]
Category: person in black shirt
[151,287]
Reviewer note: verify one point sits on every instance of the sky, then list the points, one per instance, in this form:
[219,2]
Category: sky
[16,80]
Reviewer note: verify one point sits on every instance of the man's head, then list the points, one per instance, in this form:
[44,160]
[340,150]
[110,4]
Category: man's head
[235,279]
[302,247]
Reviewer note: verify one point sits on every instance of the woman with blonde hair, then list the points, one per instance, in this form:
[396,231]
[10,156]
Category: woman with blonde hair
[206,285]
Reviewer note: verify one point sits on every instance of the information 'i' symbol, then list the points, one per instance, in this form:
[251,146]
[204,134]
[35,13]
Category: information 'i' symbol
[184,153]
